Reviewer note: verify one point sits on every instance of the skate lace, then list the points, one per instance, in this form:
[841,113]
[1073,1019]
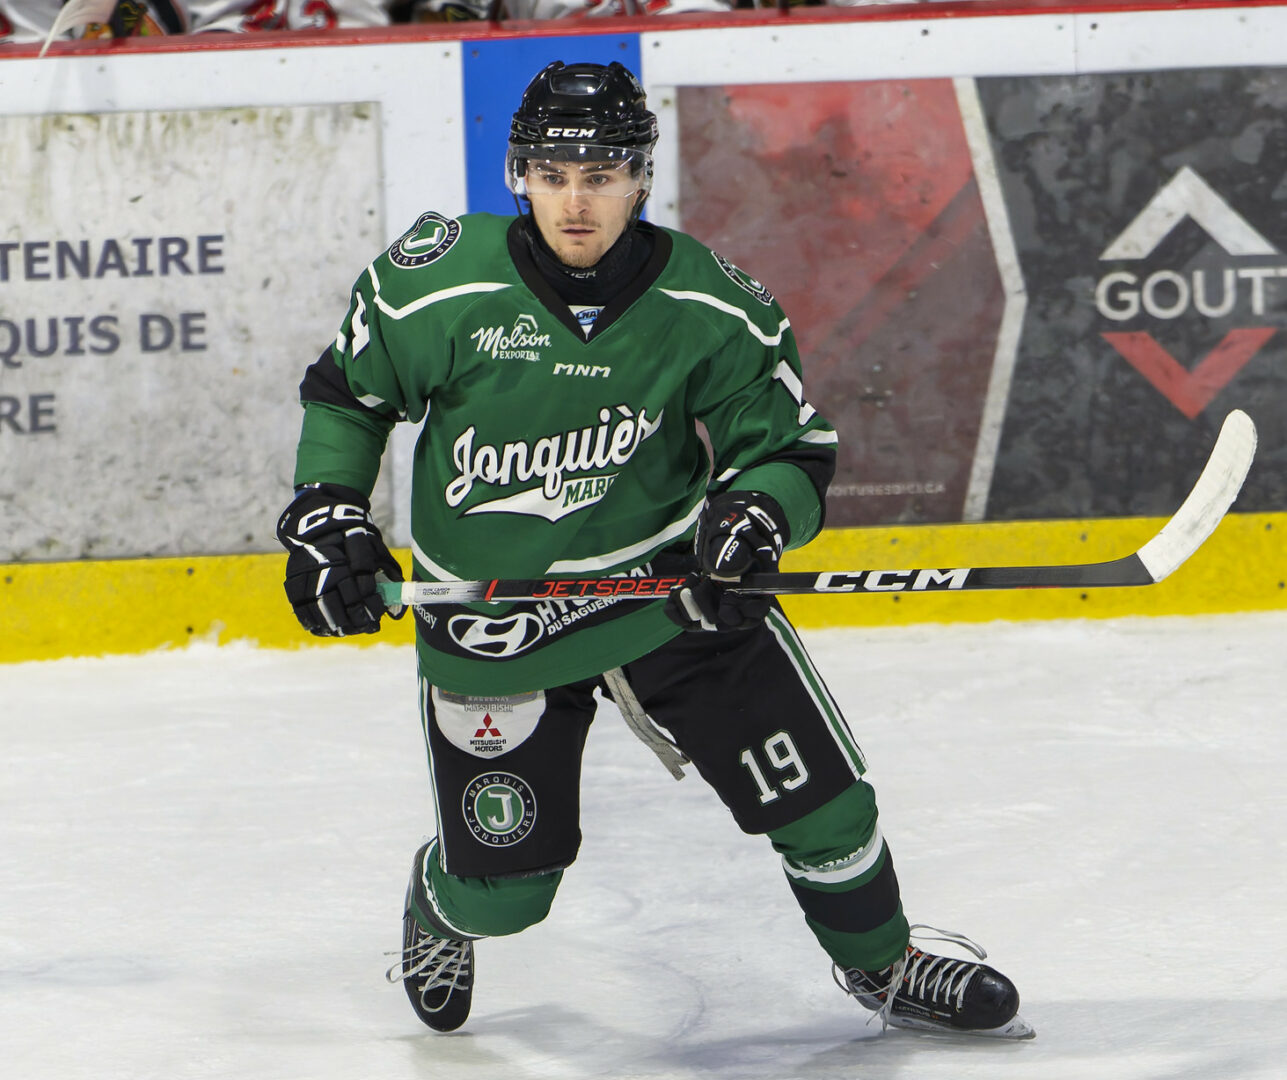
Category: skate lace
[916,975]
[442,962]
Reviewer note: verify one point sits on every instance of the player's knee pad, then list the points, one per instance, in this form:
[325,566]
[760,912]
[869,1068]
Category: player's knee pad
[835,831]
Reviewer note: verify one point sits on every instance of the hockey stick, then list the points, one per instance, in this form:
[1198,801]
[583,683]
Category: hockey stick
[1180,537]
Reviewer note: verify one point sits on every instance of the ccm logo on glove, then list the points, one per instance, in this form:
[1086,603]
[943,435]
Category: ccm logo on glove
[336,512]
[738,531]
[334,552]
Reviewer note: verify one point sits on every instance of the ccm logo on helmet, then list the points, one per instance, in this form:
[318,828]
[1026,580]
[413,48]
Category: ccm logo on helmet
[570,133]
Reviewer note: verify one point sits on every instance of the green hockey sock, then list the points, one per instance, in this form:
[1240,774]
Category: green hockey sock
[842,875]
[485,906]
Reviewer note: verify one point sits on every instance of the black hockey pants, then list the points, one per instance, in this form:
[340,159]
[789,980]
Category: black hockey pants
[755,718]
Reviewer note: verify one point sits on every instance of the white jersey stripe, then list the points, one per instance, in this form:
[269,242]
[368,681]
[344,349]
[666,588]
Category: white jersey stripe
[434,297]
[437,572]
[615,558]
[730,309]
[580,566]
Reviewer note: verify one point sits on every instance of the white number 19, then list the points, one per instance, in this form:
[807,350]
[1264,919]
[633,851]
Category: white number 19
[781,753]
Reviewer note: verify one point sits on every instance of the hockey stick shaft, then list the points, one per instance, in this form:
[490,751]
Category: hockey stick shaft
[1207,503]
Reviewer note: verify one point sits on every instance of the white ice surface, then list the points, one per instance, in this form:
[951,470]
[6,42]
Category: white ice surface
[203,855]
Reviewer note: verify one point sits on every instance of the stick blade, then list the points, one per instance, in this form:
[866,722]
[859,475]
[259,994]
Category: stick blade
[1221,480]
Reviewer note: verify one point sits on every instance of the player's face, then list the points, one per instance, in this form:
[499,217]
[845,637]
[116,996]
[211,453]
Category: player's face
[581,208]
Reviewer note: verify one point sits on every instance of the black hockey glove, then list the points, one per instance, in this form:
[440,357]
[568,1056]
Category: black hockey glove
[737,531]
[335,551]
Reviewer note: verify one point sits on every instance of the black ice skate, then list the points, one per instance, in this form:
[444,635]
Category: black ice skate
[437,971]
[937,993]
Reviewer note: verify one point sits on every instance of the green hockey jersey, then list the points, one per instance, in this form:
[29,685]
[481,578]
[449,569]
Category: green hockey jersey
[554,444]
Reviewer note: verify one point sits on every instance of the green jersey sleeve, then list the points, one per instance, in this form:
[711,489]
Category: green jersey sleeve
[749,394]
[392,352]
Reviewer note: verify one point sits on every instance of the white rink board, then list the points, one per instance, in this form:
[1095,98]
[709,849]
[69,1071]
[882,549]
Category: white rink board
[168,278]
[824,52]
[1157,40]
[417,87]
[416,160]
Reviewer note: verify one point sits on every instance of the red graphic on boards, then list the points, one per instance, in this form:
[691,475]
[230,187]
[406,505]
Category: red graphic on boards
[1190,391]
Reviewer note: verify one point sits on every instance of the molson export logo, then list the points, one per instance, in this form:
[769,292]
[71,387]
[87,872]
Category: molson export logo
[1237,284]
[524,340]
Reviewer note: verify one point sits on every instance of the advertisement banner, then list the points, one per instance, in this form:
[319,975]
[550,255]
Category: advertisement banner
[165,278]
[1148,214]
[857,206]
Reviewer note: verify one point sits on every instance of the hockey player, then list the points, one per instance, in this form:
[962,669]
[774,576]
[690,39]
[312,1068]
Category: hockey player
[561,361]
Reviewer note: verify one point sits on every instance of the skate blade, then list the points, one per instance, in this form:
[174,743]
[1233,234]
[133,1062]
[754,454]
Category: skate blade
[1016,1028]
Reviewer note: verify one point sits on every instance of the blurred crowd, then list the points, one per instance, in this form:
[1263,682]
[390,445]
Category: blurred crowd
[24,21]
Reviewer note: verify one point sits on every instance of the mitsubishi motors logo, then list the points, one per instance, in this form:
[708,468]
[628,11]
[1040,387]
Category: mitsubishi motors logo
[486,727]
[1233,286]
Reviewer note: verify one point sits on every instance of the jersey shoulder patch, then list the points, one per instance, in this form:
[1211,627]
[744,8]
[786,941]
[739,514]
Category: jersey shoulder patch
[441,258]
[743,280]
[427,241]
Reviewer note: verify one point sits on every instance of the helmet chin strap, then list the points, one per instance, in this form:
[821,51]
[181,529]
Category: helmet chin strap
[639,205]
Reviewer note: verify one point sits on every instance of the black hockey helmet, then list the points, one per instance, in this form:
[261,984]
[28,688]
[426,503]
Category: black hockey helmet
[584,103]
[582,112]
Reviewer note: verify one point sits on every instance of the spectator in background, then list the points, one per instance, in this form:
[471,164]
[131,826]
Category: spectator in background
[30,21]
[876,3]
[24,21]
[455,10]
[27,21]
[244,16]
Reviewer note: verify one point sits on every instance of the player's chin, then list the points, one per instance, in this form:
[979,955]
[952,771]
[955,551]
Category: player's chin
[580,255]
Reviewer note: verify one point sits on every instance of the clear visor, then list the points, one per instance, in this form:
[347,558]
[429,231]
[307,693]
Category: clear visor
[578,168]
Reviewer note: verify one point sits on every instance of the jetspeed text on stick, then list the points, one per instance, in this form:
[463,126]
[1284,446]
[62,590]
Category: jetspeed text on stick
[624,586]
